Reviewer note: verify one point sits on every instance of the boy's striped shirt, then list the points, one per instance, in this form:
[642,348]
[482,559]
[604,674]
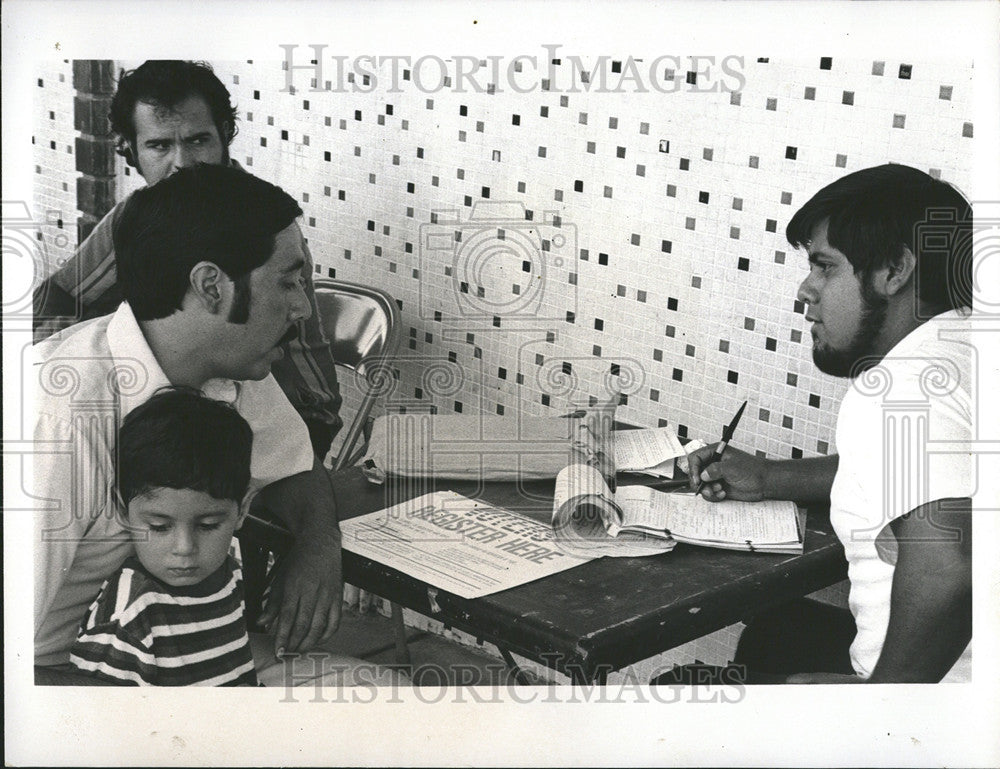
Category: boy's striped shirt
[143,632]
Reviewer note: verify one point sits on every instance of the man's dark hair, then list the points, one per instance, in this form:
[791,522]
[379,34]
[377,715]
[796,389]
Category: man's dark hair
[209,213]
[180,439]
[165,84]
[877,212]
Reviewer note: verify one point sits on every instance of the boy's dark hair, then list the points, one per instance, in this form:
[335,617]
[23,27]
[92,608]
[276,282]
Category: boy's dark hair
[165,84]
[874,213]
[181,439]
[210,213]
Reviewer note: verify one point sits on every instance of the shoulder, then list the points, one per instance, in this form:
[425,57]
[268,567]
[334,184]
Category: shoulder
[73,365]
[116,211]
[87,338]
[100,240]
[932,364]
[110,219]
[281,445]
[260,393]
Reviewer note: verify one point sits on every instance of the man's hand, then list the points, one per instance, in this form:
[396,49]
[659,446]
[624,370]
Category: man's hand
[737,475]
[742,476]
[303,608]
[824,678]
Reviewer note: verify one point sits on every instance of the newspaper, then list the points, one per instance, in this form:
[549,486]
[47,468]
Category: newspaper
[458,544]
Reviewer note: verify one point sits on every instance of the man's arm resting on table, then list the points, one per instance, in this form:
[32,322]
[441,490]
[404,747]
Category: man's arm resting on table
[804,480]
[305,600]
[930,617]
[739,475]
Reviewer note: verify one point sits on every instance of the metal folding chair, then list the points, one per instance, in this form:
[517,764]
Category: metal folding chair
[363,326]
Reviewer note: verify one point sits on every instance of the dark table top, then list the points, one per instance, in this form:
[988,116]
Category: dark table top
[606,613]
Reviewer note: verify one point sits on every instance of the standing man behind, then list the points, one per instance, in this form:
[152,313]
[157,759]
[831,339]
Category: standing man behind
[888,294]
[168,115]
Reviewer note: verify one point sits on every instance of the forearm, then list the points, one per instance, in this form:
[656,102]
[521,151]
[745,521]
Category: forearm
[930,618]
[306,505]
[304,605]
[803,480]
[925,638]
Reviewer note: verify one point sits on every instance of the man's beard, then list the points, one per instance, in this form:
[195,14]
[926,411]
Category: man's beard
[859,355]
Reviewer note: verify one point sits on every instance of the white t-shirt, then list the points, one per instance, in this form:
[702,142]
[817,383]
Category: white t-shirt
[89,378]
[904,439]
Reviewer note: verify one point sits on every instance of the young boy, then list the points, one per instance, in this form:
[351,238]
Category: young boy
[172,615]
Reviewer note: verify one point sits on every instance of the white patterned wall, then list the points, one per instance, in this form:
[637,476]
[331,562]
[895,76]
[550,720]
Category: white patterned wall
[53,206]
[671,209]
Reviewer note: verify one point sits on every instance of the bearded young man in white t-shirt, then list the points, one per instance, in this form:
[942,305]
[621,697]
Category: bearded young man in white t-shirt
[888,295]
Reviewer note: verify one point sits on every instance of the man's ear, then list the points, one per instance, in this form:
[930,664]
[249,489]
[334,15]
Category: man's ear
[898,273]
[209,286]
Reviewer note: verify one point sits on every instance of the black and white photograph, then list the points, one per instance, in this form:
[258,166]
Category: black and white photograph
[502,384]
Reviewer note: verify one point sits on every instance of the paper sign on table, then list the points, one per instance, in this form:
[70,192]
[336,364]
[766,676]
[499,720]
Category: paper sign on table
[458,544]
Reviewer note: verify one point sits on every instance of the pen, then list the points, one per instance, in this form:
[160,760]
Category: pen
[727,435]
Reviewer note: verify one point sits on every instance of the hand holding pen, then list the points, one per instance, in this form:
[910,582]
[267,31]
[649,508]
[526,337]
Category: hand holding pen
[716,454]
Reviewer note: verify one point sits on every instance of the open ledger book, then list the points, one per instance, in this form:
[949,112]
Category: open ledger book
[636,520]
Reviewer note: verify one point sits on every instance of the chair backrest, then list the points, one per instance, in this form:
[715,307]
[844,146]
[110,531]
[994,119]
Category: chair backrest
[362,324]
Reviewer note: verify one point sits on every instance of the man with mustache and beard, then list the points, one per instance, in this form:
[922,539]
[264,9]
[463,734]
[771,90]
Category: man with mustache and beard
[167,115]
[888,294]
[210,266]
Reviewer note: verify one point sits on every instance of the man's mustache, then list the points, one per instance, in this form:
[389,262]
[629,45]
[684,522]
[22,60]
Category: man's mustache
[293,331]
